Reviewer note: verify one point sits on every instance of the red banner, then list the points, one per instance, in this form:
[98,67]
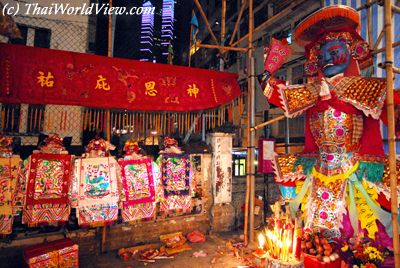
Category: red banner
[45,76]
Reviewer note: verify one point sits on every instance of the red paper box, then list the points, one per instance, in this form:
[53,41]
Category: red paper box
[313,262]
[58,254]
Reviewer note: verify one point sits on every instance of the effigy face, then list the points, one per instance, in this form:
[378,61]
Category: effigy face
[334,58]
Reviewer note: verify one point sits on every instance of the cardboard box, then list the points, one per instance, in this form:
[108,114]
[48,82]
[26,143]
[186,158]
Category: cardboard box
[57,254]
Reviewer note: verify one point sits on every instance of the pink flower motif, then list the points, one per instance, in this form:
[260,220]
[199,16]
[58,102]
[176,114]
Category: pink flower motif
[323,215]
[339,132]
[330,157]
[336,113]
[325,195]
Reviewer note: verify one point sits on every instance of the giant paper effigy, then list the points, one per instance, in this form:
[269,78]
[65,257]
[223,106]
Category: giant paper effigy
[342,167]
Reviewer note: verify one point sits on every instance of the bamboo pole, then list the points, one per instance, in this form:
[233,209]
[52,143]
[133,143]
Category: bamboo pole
[250,180]
[104,231]
[238,21]
[240,49]
[391,130]
[395,44]
[369,24]
[223,20]
[269,21]
[371,2]
[395,9]
[203,15]
[191,40]
[268,122]
[379,39]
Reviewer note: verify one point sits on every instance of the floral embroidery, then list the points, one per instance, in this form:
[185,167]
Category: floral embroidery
[97,180]
[176,175]
[49,179]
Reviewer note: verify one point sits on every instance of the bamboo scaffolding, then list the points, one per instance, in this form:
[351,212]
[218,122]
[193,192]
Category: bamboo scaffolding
[270,20]
[250,179]
[391,130]
[223,17]
[108,134]
[367,5]
[378,40]
[369,24]
[268,122]
[395,44]
[395,9]
[191,40]
[203,15]
[238,21]
[239,49]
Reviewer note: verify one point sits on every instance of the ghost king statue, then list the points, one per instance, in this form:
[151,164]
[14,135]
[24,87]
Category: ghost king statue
[342,168]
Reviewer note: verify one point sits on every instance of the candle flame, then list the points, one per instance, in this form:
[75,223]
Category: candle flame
[261,240]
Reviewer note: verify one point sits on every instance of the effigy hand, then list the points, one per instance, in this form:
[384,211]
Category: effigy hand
[276,54]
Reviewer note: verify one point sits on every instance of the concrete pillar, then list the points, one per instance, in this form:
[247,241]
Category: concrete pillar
[222,211]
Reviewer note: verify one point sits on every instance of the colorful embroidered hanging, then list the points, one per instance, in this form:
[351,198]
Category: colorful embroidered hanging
[139,182]
[95,190]
[48,180]
[176,180]
[8,182]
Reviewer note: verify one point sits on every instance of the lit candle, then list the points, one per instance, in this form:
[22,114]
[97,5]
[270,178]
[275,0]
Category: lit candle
[261,241]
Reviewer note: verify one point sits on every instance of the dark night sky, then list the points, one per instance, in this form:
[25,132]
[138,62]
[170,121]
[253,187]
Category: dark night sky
[127,32]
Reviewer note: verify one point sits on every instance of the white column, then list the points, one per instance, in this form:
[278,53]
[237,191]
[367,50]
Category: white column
[221,179]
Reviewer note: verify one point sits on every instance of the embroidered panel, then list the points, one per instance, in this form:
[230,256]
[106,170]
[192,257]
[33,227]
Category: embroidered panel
[48,180]
[326,204]
[176,203]
[102,213]
[96,186]
[335,131]
[176,175]
[19,199]
[8,183]
[297,98]
[137,181]
[367,94]
[138,212]
[284,168]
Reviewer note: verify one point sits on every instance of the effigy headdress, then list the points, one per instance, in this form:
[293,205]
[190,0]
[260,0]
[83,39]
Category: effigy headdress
[131,147]
[333,23]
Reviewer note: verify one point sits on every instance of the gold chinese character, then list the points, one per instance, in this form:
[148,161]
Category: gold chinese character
[150,88]
[102,84]
[193,90]
[45,81]
[168,81]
